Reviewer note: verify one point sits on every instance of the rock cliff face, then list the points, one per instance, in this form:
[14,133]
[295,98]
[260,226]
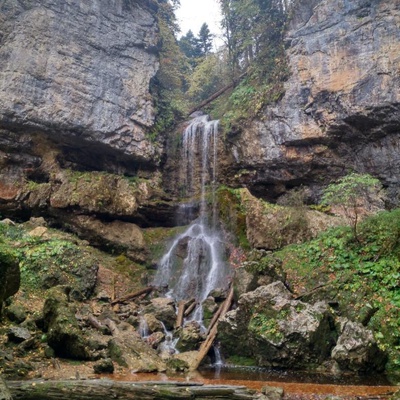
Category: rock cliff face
[341,108]
[79,72]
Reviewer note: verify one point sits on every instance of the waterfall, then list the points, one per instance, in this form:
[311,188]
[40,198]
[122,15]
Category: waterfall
[193,266]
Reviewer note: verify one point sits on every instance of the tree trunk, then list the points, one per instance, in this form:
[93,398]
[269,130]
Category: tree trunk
[133,295]
[101,389]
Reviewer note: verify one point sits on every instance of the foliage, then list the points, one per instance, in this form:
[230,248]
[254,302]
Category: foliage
[168,85]
[354,193]
[361,275]
[207,78]
[232,214]
[196,47]
[254,36]
[266,327]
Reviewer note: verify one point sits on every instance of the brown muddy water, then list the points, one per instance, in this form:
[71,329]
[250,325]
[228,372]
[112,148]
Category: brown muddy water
[293,383]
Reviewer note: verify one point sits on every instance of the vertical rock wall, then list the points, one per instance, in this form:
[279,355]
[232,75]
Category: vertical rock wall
[80,72]
[341,109]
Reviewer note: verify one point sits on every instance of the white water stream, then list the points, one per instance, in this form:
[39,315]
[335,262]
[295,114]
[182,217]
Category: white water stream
[193,266]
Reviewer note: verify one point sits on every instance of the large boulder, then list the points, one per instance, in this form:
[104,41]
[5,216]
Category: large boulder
[278,331]
[163,309]
[9,274]
[357,349]
[127,349]
[63,332]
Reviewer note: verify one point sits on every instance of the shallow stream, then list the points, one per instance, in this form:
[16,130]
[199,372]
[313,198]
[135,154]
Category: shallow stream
[307,385]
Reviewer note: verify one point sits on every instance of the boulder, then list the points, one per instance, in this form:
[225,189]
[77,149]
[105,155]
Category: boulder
[356,348]
[9,274]
[278,331]
[127,349]
[18,335]
[152,323]
[163,309]
[105,366]
[189,337]
[63,332]
[16,313]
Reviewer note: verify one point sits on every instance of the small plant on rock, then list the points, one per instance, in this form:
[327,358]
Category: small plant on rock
[356,194]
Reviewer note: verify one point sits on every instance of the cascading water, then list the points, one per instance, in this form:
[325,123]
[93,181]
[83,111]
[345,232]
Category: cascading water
[193,265]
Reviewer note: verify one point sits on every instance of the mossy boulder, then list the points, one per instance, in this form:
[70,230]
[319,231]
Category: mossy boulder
[9,274]
[189,337]
[63,332]
[278,331]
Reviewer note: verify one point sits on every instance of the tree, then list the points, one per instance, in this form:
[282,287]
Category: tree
[189,45]
[205,40]
[355,194]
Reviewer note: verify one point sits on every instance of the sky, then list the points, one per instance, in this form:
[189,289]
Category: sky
[193,13]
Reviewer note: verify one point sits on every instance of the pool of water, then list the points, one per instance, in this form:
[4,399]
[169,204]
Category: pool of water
[293,383]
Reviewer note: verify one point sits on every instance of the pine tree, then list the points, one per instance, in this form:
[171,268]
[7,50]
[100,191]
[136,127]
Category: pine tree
[205,40]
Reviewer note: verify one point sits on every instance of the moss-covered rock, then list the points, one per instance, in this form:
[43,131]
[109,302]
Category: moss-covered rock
[9,273]
[278,331]
[63,332]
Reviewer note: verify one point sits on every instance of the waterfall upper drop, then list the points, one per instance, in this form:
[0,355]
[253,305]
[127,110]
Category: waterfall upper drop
[194,266]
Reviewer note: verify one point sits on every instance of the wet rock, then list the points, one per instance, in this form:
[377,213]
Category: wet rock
[189,337]
[163,309]
[63,332]
[153,324]
[356,348]
[155,339]
[209,308]
[104,367]
[16,313]
[17,334]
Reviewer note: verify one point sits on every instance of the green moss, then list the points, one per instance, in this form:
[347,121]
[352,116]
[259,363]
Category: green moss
[266,327]
[362,276]
[232,214]
[242,361]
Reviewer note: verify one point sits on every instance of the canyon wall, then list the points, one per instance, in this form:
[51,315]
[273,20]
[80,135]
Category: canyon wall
[79,72]
[341,108]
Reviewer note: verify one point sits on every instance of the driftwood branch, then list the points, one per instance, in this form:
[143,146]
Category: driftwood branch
[212,333]
[101,389]
[132,296]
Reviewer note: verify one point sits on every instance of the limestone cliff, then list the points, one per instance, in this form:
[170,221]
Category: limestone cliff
[79,71]
[341,108]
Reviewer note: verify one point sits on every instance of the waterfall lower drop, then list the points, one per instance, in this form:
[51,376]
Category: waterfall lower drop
[193,266]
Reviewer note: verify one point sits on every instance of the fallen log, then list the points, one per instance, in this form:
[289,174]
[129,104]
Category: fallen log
[132,296]
[181,311]
[190,309]
[212,333]
[101,389]
[217,94]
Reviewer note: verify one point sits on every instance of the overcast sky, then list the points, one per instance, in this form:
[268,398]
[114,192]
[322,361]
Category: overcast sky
[193,13]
